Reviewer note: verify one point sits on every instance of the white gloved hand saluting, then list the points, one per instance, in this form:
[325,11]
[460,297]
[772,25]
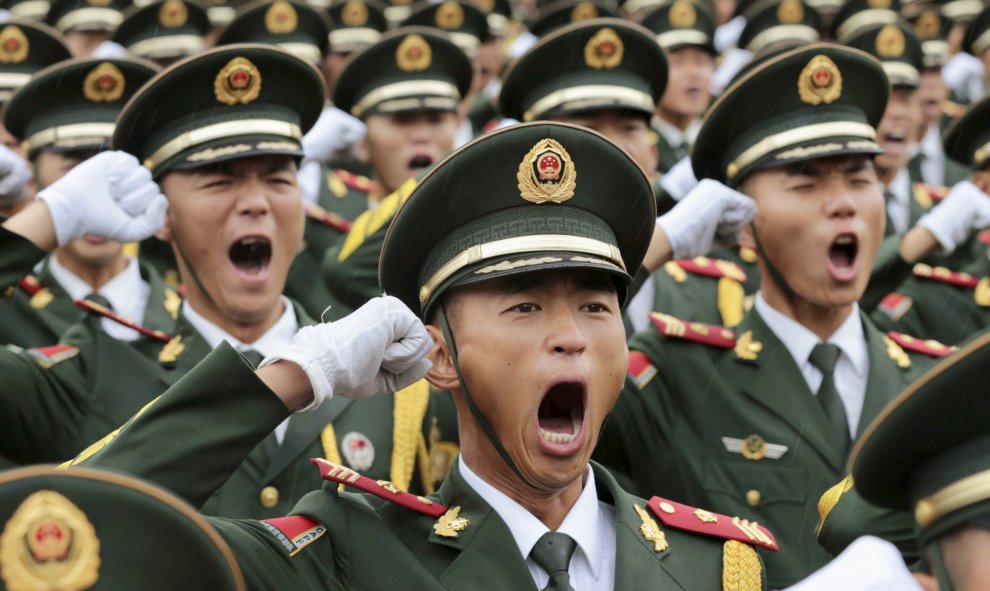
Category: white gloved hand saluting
[710,215]
[15,173]
[381,347]
[109,195]
[965,210]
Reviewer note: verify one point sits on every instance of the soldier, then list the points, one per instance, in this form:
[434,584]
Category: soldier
[225,157]
[64,115]
[86,24]
[531,277]
[163,31]
[758,421]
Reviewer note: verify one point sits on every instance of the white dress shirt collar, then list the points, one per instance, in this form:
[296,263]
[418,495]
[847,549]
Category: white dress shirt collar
[126,291]
[278,335]
[674,135]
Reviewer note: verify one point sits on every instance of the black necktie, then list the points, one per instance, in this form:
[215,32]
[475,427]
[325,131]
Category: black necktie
[99,300]
[682,150]
[553,554]
[824,356]
[253,357]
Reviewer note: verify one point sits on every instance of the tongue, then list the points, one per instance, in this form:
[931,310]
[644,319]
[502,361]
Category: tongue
[840,256]
[557,425]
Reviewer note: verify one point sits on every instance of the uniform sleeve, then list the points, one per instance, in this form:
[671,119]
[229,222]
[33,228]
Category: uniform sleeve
[18,256]
[889,271]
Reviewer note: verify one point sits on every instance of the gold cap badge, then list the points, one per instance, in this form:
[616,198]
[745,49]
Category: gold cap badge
[878,3]
[281,18]
[413,54]
[584,11]
[13,45]
[546,173]
[104,83]
[928,25]
[449,15]
[820,81]
[890,41]
[49,544]
[485,6]
[354,13]
[790,12]
[682,15]
[604,50]
[173,14]
[239,82]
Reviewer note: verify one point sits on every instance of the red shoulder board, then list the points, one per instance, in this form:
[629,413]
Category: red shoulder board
[99,310]
[929,347]
[315,212]
[380,488]
[895,305]
[49,356]
[294,533]
[945,275]
[641,369]
[30,285]
[984,237]
[355,181]
[708,334]
[703,522]
[713,268]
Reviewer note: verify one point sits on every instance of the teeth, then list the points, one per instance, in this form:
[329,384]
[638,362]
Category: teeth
[252,241]
[564,437]
[844,240]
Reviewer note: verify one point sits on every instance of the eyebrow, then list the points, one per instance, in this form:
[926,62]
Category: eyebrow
[819,168]
[592,281]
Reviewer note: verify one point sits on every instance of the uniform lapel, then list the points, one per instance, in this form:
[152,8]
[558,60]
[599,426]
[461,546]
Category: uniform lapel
[156,314]
[193,349]
[59,315]
[885,381]
[303,430]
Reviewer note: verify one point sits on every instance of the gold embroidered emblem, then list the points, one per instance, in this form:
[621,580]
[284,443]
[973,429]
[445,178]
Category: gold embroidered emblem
[748,349]
[104,83]
[171,351]
[98,2]
[675,271]
[388,486]
[896,353]
[281,18]
[705,516]
[666,507]
[820,81]
[790,12]
[239,82]
[449,523]
[878,3]
[890,41]
[741,567]
[14,45]
[41,299]
[928,25]
[49,543]
[682,15]
[982,292]
[354,13]
[449,15]
[604,50]
[584,11]
[172,303]
[173,14]
[752,531]
[546,173]
[413,54]
[650,530]
[754,448]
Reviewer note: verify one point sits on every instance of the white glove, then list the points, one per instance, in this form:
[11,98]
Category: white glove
[710,215]
[14,173]
[965,210]
[381,347]
[868,563]
[680,179]
[110,195]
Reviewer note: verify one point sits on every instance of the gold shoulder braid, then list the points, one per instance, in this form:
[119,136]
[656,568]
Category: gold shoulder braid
[741,568]
[407,426]
[328,439]
[730,301]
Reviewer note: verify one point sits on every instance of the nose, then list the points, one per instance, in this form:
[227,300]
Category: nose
[566,335]
[841,203]
[252,199]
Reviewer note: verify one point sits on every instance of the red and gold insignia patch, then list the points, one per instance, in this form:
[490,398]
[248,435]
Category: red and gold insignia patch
[354,13]
[239,82]
[682,15]
[641,370]
[14,45]
[49,543]
[413,54]
[281,18]
[604,50]
[895,305]
[703,522]
[707,334]
[104,83]
[546,173]
[929,347]
[173,14]
[294,533]
[820,81]
[944,275]
[379,488]
[890,41]
[53,355]
[716,268]
[449,15]
[790,12]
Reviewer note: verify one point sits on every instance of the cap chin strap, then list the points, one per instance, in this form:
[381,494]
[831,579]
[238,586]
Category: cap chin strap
[478,416]
[778,277]
[192,270]
[936,562]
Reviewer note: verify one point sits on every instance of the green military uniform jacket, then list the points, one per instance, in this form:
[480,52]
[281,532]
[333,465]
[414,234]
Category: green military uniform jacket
[691,387]
[668,156]
[360,541]
[343,197]
[36,310]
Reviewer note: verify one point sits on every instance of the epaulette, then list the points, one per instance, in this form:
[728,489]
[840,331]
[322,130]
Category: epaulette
[49,356]
[929,347]
[355,181]
[382,489]
[105,312]
[294,533]
[706,523]
[708,267]
[641,369]
[332,220]
[895,305]
[928,195]
[984,237]
[945,275]
[40,295]
[707,334]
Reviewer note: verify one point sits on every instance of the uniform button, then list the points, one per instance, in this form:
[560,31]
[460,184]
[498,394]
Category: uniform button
[753,498]
[269,497]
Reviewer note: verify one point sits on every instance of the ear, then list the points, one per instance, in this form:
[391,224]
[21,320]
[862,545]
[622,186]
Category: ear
[165,234]
[363,151]
[442,375]
[746,237]
[927,582]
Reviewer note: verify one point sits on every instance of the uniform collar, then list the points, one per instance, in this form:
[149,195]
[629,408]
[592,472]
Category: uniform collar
[583,521]
[120,291]
[275,337]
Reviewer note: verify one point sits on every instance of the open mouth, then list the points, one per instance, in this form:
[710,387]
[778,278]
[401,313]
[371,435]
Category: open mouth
[842,256]
[894,136]
[561,413]
[420,161]
[251,254]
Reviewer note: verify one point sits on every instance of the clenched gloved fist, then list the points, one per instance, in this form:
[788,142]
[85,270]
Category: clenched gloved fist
[109,195]
[710,215]
[14,173]
[381,347]
[964,210]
